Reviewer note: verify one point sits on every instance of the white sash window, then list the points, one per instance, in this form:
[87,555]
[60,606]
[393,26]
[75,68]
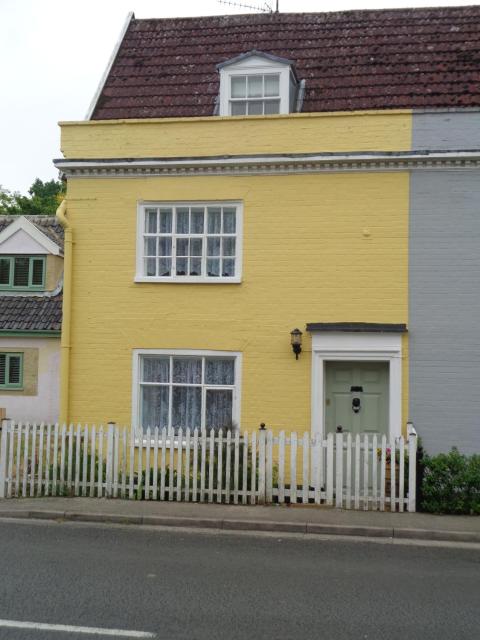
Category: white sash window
[189,242]
[186,390]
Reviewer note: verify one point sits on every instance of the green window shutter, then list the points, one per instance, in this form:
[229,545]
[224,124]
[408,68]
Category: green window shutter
[11,370]
[37,271]
[5,264]
[20,274]
[3,368]
[15,370]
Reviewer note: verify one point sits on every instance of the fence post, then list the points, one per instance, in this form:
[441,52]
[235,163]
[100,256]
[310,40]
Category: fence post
[109,469]
[261,466]
[3,455]
[330,469]
[339,469]
[412,467]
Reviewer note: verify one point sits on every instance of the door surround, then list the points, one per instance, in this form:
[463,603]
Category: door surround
[363,347]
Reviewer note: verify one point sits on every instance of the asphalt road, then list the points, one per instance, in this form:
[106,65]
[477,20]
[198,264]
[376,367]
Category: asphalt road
[200,586]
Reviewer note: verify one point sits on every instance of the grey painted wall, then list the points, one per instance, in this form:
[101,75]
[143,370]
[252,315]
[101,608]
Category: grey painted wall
[444,307]
[444,130]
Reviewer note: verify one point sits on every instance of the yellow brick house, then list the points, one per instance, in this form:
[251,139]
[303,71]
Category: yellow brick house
[236,180]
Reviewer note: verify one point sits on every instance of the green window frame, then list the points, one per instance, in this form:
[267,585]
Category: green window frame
[11,370]
[22,273]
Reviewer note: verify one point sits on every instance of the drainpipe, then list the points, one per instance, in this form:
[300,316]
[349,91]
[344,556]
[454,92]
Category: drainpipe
[66,312]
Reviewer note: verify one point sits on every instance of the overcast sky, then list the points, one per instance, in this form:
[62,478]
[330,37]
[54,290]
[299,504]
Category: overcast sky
[53,53]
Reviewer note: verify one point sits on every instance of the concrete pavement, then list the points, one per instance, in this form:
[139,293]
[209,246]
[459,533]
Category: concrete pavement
[295,519]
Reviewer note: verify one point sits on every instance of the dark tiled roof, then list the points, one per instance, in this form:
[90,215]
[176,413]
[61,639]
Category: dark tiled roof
[403,58]
[31,313]
[49,225]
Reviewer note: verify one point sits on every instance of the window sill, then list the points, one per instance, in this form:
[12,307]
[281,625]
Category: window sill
[188,280]
[11,389]
[143,442]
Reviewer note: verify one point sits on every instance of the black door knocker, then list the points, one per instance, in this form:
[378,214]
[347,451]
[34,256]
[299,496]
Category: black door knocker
[356,404]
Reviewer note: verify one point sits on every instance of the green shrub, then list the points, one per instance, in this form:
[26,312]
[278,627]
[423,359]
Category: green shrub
[450,483]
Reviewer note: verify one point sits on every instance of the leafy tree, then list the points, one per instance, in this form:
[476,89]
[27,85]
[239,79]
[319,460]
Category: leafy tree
[44,199]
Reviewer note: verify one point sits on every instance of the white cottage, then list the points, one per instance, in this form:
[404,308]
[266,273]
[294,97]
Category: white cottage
[31,279]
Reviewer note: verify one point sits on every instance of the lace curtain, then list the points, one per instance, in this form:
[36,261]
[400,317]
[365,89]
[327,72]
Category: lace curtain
[189,385]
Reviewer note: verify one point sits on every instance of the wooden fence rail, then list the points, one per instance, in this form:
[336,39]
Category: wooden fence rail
[351,472]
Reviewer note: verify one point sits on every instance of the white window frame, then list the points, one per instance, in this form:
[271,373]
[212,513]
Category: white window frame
[263,98]
[199,353]
[254,66]
[237,278]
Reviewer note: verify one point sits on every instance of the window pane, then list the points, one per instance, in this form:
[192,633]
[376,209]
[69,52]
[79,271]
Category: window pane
[37,271]
[272,106]
[228,220]
[218,414]
[239,86]
[196,245]
[187,370]
[238,108]
[186,407]
[20,274]
[3,362]
[182,266]
[164,246]
[213,267]
[228,267]
[164,267]
[219,371]
[195,266]
[214,220]
[255,108]
[213,246]
[228,246]
[150,221]
[150,267]
[182,247]
[150,246]
[165,221]
[197,220]
[255,86]
[14,370]
[154,407]
[182,220]
[4,271]
[156,369]
[272,85]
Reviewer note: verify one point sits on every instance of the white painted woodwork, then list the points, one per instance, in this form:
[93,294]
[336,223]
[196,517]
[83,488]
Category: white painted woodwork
[233,467]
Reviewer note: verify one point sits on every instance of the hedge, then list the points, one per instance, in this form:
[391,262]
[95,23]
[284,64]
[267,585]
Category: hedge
[450,483]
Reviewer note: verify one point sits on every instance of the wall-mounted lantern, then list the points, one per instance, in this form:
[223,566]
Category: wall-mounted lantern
[296,342]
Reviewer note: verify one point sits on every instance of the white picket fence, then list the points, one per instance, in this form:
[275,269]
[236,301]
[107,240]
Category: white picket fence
[363,472]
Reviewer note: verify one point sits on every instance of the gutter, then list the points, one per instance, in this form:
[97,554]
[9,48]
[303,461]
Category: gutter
[65,345]
[25,333]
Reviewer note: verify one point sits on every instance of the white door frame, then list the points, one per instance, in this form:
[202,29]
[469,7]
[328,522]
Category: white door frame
[364,347]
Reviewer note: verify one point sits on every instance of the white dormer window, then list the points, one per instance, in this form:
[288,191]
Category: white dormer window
[257,84]
[254,95]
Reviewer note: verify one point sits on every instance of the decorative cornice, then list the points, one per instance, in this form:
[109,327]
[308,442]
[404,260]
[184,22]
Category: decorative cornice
[268,164]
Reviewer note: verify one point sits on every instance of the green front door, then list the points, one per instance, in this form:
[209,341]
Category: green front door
[356,397]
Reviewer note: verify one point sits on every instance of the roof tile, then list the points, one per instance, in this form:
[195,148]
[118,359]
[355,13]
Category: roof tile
[400,58]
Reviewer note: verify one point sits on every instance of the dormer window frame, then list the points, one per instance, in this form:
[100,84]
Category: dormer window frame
[257,64]
[30,270]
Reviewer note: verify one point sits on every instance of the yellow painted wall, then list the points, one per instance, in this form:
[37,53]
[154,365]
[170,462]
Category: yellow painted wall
[307,258]
[295,133]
